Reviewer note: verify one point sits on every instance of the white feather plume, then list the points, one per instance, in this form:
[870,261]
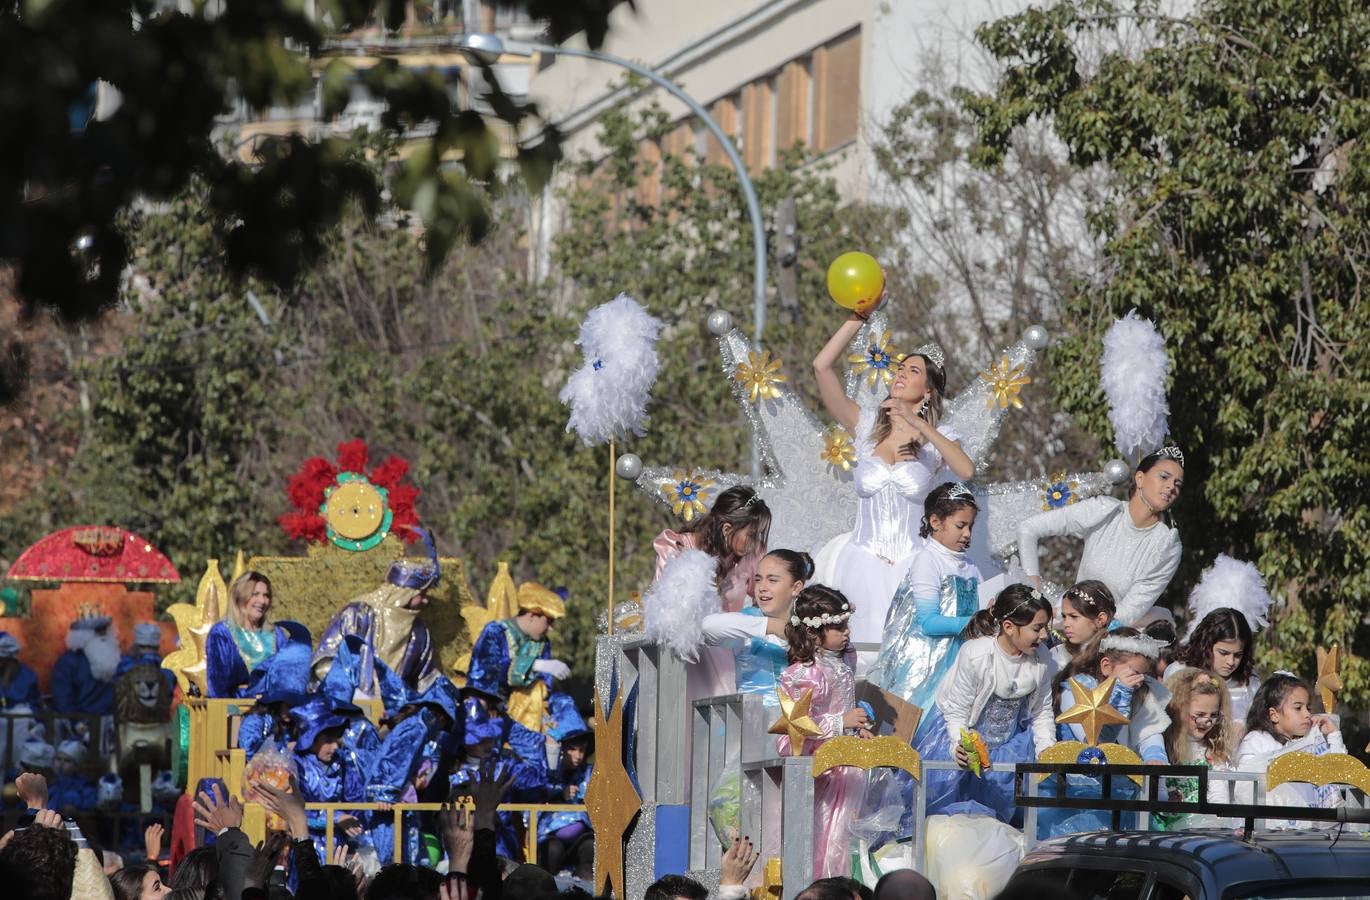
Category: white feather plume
[1134,369]
[1230,584]
[673,609]
[608,394]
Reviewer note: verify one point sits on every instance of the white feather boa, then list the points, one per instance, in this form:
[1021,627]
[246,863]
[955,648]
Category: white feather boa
[608,394]
[1230,584]
[674,608]
[1133,372]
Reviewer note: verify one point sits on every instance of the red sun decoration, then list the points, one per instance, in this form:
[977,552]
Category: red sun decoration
[308,490]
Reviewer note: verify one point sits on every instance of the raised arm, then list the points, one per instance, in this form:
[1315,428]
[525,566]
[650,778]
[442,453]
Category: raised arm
[835,399]
[1073,519]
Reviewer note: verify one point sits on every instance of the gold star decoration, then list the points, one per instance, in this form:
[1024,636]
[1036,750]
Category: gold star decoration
[878,362]
[1005,382]
[838,450]
[795,720]
[193,623]
[687,492]
[1092,711]
[759,376]
[1329,677]
[611,801]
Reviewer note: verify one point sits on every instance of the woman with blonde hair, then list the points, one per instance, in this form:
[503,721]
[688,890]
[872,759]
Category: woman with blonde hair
[246,637]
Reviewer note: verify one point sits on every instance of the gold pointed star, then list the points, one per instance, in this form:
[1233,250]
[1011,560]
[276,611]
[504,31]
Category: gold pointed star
[1005,382]
[838,450]
[1092,711]
[794,720]
[759,376]
[611,800]
[1329,677]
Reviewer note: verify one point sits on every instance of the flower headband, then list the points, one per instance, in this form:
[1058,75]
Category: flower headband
[817,622]
[1033,594]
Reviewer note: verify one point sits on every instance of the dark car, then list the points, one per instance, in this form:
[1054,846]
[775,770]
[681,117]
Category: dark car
[1199,865]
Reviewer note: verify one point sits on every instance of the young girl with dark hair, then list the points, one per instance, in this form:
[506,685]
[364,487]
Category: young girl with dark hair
[934,602]
[1128,544]
[756,634]
[999,686]
[902,452]
[1087,610]
[1222,644]
[1128,656]
[1281,721]
[734,531]
[823,665]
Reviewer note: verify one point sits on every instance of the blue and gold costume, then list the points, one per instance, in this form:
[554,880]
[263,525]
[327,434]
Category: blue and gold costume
[334,781]
[229,669]
[280,684]
[482,732]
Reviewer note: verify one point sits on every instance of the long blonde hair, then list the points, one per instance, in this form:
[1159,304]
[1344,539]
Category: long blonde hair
[240,591]
[937,386]
[1185,686]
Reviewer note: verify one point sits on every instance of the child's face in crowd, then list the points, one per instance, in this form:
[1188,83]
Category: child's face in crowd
[1227,655]
[534,624]
[1293,719]
[64,766]
[835,637]
[1025,638]
[1079,627]
[775,588]
[574,754]
[153,887]
[954,531]
[326,744]
[1125,666]
[1202,716]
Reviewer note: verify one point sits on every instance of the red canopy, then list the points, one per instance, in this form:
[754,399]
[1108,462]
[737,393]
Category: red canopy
[93,553]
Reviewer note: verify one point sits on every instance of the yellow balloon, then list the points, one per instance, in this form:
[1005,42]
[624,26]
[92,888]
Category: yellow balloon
[856,281]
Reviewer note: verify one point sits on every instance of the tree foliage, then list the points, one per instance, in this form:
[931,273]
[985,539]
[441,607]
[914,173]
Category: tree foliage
[65,176]
[1237,220]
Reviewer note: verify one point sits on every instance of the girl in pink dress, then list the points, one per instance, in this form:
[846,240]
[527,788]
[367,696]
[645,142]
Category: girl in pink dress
[734,531]
[823,664]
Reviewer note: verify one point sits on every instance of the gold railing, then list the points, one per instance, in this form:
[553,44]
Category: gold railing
[254,820]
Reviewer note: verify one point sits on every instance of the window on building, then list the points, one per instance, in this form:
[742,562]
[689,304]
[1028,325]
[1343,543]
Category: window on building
[837,91]
[792,105]
[756,128]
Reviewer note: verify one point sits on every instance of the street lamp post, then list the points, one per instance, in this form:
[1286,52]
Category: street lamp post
[488,48]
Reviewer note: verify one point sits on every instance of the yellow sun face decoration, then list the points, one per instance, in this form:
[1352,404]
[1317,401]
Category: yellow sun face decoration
[356,512]
[1005,383]
[759,376]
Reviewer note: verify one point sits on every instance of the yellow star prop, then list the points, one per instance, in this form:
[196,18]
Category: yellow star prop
[686,492]
[878,362]
[794,720]
[611,801]
[838,450]
[759,376]
[1329,677]
[1092,710]
[1005,382]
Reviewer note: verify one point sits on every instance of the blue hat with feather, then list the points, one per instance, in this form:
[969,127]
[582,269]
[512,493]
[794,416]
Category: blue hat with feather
[409,573]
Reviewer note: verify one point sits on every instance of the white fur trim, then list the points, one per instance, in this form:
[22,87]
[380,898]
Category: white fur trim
[674,607]
[1142,644]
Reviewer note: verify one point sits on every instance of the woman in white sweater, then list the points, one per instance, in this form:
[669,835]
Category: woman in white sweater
[1128,545]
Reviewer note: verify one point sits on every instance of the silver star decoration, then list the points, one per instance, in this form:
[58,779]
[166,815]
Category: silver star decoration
[812,501]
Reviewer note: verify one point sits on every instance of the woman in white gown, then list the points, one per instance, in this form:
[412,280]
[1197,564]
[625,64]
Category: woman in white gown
[901,454]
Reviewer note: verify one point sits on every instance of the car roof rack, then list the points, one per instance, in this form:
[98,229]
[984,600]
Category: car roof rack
[1151,803]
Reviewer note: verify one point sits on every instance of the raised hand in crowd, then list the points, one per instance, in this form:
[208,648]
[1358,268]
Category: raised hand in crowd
[258,874]
[458,835]
[737,862]
[48,818]
[152,842]
[214,812]
[33,790]
[488,793]
[289,805]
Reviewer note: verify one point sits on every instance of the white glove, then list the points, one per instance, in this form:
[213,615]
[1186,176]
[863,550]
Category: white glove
[554,667]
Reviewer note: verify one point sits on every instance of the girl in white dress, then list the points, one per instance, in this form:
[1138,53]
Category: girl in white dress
[1280,721]
[1128,545]
[901,454]
[1222,644]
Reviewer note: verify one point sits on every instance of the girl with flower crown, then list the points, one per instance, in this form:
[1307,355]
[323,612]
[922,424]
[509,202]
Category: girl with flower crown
[934,602]
[1129,546]
[902,453]
[999,687]
[823,665]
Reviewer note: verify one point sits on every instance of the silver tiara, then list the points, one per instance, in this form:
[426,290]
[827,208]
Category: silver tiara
[933,354]
[1172,452]
[1142,645]
[960,492]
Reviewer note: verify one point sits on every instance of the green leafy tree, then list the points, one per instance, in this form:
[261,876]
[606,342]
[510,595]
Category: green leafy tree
[1237,220]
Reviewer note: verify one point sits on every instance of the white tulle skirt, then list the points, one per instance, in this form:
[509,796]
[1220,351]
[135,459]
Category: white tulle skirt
[867,580]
